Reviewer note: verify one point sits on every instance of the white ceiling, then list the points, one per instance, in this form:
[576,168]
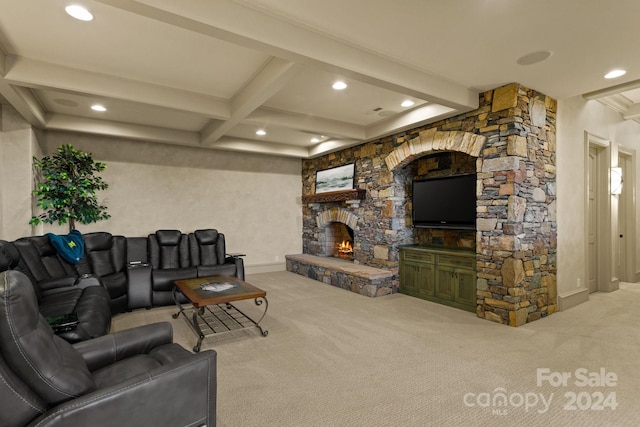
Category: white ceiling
[209,73]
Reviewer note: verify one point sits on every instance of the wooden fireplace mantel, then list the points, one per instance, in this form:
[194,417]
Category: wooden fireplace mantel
[335,196]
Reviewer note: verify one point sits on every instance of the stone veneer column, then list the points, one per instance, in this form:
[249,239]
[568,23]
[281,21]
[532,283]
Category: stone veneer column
[516,225]
[512,134]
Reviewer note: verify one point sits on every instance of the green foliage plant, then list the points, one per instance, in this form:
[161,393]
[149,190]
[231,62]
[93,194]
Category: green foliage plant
[67,186]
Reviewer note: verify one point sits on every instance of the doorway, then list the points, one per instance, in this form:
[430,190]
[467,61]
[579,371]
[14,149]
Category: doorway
[599,251]
[626,218]
[594,194]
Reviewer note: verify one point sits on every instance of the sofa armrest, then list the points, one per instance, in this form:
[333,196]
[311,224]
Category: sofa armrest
[87,280]
[104,350]
[180,393]
[139,286]
[238,261]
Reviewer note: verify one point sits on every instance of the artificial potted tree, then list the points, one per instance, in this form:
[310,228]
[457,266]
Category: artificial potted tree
[67,186]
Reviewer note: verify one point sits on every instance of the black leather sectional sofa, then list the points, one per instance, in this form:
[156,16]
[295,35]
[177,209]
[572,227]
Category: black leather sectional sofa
[117,273]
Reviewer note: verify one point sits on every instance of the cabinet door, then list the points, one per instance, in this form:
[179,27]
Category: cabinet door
[466,287]
[426,284]
[409,277]
[417,278]
[445,282]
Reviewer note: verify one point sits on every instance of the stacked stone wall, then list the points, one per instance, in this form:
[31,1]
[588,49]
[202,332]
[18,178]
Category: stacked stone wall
[510,140]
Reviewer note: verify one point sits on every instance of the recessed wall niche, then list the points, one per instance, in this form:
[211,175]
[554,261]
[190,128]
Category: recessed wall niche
[430,166]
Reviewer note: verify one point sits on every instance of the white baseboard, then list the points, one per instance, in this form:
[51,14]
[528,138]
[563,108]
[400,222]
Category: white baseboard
[265,268]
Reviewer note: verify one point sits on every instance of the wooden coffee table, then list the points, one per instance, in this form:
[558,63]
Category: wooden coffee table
[211,311]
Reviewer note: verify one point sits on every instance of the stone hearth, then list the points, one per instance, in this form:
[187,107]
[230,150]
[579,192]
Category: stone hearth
[343,274]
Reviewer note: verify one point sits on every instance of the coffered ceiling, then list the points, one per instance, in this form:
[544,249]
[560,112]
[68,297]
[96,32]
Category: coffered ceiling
[210,73]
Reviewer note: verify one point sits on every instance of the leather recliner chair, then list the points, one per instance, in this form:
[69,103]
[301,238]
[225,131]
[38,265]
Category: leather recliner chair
[85,297]
[135,377]
[209,255]
[106,256]
[169,257]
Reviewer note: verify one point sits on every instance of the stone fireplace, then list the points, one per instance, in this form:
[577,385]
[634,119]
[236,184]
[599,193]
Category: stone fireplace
[337,217]
[337,241]
[509,142]
[336,230]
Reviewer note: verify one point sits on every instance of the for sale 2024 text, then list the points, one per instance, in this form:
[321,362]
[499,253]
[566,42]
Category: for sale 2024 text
[588,398]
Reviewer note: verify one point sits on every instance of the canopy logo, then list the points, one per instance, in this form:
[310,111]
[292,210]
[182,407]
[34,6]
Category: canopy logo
[593,393]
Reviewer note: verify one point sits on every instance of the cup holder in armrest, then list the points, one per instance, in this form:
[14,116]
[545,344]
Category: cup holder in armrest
[63,322]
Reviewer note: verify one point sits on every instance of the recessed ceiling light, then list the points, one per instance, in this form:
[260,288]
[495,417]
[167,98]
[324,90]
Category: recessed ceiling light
[534,57]
[407,103]
[98,107]
[339,85]
[79,12]
[261,132]
[614,74]
[314,139]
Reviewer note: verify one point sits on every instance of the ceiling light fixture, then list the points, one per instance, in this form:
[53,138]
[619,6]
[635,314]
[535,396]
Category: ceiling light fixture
[339,85]
[615,74]
[314,139]
[407,103]
[79,12]
[534,57]
[98,107]
[261,132]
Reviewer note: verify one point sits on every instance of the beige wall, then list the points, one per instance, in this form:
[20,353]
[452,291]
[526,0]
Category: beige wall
[253,199]
[18,145]
[575,117]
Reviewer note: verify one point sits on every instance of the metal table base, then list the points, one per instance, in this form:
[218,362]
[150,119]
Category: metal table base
[217,319]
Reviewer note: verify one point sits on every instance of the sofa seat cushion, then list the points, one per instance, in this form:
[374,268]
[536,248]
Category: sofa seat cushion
[217,270]
[116,284]
[163,280]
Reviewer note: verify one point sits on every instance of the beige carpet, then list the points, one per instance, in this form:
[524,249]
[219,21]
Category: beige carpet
[335,358]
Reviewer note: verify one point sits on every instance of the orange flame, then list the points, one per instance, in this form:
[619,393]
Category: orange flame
[345,247]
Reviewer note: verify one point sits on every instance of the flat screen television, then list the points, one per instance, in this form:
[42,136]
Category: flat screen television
[445,202]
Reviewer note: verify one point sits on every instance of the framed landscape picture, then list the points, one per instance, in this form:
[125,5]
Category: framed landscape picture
[335,179]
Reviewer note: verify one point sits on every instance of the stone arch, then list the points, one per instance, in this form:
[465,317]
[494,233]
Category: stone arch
[431,140]
[336,215]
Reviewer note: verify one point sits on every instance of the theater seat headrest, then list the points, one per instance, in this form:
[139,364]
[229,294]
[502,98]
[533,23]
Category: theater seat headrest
[9,256]
[206,237]
[168,237]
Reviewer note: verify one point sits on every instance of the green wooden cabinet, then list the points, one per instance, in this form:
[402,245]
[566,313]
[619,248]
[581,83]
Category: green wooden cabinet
[446,276]
[417,273]
[445,283]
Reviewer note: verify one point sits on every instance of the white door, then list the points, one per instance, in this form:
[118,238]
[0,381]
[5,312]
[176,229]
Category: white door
[626,226]
[592,237]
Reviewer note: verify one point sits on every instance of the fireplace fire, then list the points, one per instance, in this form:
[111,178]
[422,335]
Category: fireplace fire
[345,249]
[337,241]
